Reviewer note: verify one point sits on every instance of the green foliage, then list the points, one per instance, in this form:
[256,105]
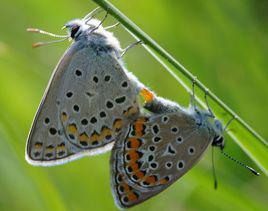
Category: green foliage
[224,43]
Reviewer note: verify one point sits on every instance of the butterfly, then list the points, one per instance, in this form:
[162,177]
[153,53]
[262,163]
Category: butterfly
[159,148]
[90,99]
[92,103]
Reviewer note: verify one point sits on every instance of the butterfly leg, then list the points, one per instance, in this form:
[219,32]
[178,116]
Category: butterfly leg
[112,26]
[129,47]
[95,28]
[206,100]
[229,122]
[193,100]
[94,12]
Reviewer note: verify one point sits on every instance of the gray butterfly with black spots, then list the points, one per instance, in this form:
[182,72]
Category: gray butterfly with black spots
[90,99]
[160,148]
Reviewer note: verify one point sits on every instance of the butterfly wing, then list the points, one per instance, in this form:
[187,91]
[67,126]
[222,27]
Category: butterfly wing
[89,100]
[157,151]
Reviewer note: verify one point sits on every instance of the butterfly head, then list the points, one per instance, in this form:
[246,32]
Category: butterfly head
[76,27]
[218,139]
[214,124]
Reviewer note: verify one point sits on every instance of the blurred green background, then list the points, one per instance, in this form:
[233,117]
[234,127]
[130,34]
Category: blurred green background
[224,43]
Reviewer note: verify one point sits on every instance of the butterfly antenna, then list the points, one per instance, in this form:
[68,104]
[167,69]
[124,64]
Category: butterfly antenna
[39,31]
[214,170]
[240,163]
[38,44]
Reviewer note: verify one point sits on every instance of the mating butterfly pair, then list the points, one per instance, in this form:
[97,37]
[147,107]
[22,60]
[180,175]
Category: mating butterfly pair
[92,103]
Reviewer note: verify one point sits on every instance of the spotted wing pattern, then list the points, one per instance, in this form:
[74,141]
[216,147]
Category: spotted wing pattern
[89,100]
[156,152]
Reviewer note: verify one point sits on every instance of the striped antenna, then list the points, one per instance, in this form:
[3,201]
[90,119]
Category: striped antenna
[39,31]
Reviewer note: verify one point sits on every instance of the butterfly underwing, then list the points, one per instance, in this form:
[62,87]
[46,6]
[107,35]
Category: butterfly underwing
[158,149]
[90,99]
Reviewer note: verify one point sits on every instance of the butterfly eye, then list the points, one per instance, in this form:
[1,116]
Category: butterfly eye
[74,30]
[218,141]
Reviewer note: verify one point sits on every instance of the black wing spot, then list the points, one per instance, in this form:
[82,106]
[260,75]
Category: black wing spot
[124,84]
[95,79]
[125,199]
[157,139]
[36,154]
[69,94]
[174,129]
[129,169]
[180,164]
[108,137]
[119,178]
[140,155]
[60,132]
[153,165]
[78,73]
[171,150]
[89,94]
[102,114]
[165,119]
[95,143]
[121,189]
[150,158]
[47,120]
[133,133]
[109,104]
[168,165]
[61,153]
[179,140]
[155,129]
[120,100]
[128,158]
[107,78]
[62,144]
[144,183]
[71,136]
[50,147]
[93,120]
[49,155]
[84,122]
[134,177]
[152,148]
[191,150]
[83,143]
[52,131]
[76,108]
[167,178]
